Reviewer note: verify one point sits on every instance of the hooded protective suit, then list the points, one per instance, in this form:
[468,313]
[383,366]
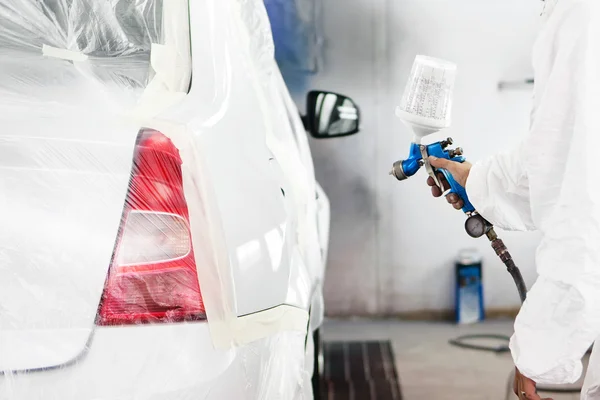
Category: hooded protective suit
[551,183]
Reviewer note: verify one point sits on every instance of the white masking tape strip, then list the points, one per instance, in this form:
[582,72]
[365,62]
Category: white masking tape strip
[258,326]
[151,106]
[169,66]
[64,54]
[161,93]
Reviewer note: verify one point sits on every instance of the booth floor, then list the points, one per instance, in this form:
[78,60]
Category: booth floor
[429,368]
[359,370]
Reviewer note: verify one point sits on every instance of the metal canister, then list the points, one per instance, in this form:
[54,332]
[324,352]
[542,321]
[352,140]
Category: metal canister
[469,307]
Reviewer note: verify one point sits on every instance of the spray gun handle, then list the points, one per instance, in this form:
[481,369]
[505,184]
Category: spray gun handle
[439,150]
[460,191]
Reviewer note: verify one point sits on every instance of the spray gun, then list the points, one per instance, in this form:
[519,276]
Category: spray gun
[426,108]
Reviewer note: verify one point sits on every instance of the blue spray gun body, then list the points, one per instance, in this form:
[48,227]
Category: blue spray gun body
[418,158]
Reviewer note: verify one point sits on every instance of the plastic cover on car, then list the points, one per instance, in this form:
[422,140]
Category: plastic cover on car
[111,243]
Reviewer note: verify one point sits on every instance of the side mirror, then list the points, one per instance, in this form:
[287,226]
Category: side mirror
[331,115]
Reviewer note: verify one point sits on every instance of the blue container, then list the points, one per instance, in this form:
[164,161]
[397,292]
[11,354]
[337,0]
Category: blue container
[469,288]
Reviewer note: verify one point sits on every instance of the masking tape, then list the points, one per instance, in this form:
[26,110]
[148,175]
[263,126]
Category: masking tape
[64,54]
[253,327]
[161,93]
[153,104]
[162,60]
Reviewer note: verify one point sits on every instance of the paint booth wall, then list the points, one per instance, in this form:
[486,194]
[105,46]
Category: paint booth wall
[393,245]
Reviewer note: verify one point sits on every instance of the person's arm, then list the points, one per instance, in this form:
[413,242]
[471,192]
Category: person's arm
[561,318]
[498,187]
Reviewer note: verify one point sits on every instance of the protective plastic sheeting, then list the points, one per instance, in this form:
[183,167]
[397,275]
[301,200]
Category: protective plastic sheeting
[116,273]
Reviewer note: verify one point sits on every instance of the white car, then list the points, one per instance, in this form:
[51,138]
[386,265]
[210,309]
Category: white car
[162,235]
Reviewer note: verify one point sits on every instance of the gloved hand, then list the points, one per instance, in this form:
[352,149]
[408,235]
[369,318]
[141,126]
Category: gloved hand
[525,388]
[460,173]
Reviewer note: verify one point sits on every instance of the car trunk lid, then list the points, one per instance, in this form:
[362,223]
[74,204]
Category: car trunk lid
[63,183]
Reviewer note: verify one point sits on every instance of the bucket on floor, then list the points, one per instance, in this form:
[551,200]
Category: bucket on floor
[469,287]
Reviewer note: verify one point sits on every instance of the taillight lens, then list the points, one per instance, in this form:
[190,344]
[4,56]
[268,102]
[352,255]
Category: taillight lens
[153,275]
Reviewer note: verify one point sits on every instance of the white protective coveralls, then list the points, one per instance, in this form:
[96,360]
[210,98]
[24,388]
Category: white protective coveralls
[551,183]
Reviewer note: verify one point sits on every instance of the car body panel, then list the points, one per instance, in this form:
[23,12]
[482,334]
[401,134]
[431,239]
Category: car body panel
[257,172]
[61,205]
[158,368]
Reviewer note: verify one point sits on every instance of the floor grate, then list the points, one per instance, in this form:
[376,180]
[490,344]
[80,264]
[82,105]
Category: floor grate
[360,371]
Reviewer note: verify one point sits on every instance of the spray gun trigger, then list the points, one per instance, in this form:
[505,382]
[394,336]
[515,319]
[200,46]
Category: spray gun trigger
[436,179]
[429,167]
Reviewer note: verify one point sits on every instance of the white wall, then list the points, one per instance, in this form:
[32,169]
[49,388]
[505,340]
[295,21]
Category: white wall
[393,245]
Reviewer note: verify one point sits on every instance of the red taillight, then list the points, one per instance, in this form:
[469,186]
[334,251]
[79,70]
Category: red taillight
[153,275]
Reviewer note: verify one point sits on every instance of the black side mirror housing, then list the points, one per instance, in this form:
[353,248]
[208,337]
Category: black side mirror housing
[331,115]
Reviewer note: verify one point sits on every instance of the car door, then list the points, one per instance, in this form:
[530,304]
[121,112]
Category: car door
[315,212]
[305,183]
